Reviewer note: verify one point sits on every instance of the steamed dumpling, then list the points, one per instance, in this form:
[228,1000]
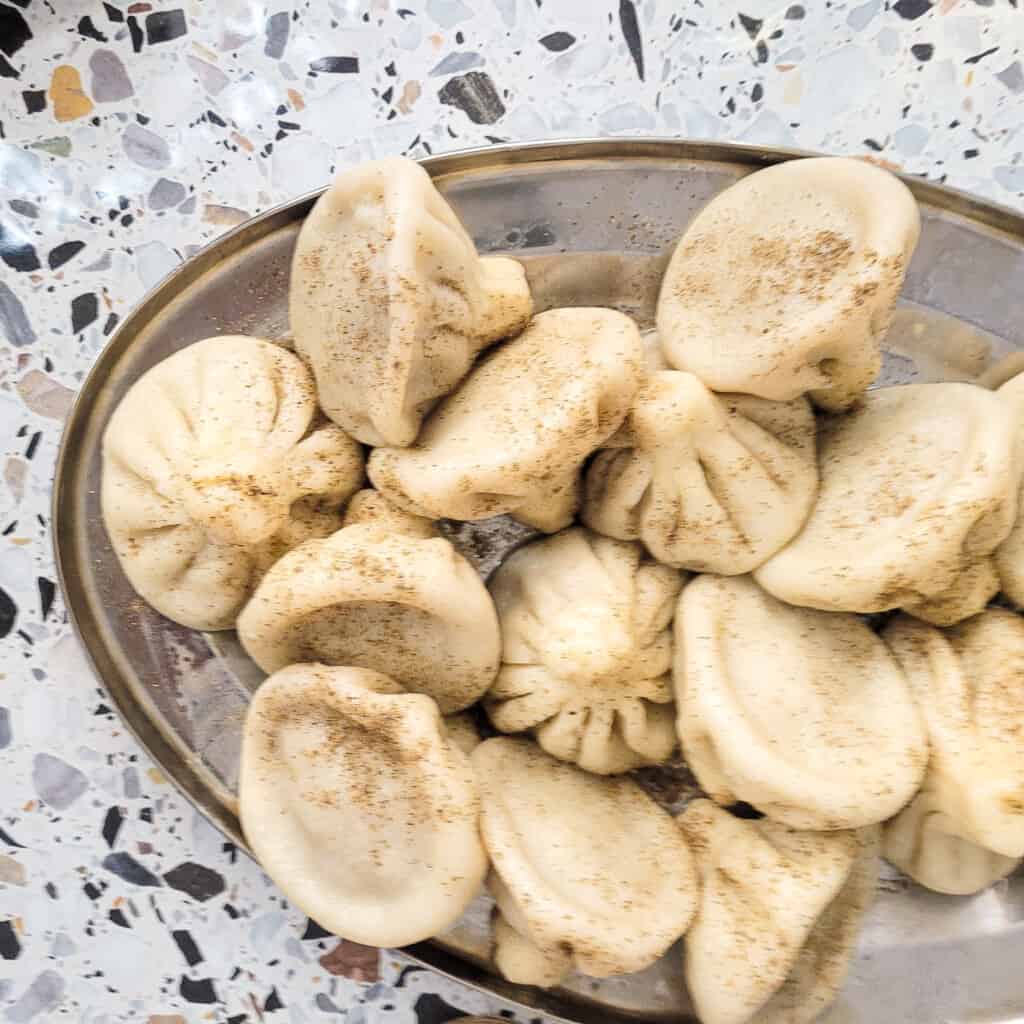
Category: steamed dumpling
[918,486]
[408,606]
[588,871]
[967,681]
[778,916]
[213,466]
[804,714]
[586,651]
[514,436]
[358,806]
[785,282]
[390,302]
[922,842]
[714,483]
[370,506]
[1009,556]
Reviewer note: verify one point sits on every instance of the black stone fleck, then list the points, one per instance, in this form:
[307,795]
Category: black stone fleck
[474,94]
[981,56]
[8,613]
[89,30]
[631,33]
[163,26]
[795,13]
[17,253]
[277,29]
[24,207]
[407,972]
[313,930]
[912,9]
[47,591]
[33,444]
[199,882]
[432,1009]
[922,51]
[873,144]
[751,25]
[10,947]
[111,323]
[7,70]
[970,154]
[60,254]
[84,310]
[14,31]
[390,70]
[335,65]
[135,29]
[5,728]
[116,914]
[197,990]
[112,822]
[128,869]
[113,13]
[557,41]
[757,93]
[273,1002]
[216,119]
[35,100]
[51,891]
[761,52]
[231,912]
[93,891]
[188,947]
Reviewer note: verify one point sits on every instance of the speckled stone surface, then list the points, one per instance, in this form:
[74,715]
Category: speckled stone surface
[131,134]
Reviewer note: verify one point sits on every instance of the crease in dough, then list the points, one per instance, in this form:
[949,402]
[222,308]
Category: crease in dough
[923,842]
[358,806]
[967,682]
[712,483]
[390,302]
[370,506]
[785,283]
[778,916]
[918,485]
[514,436]
[215,463]
[406,605]
[588,872]
[586,650]
[801,713]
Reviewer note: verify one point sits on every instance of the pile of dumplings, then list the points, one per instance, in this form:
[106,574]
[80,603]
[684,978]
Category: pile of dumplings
[721,503]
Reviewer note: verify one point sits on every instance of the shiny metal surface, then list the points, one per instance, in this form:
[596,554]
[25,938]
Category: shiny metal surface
[593,223]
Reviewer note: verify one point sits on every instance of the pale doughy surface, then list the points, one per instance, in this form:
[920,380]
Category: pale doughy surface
[213,466]
[713,483]
[967,683]
[514,436]
[587,865]
[358,806]
[586,650]
[804,714]
[778,915]
[408,606]
[917,485]
[923,843]
[785,283]
[390,302]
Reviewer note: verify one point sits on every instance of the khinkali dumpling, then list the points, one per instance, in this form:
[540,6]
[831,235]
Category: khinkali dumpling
[1009,556]
[804,714]
[390,302]
[778,916]
[785,282]
[967,681]
[213,466]
[922,841]
[714,483]
[588,871]
[358,806]
[586,650]
[917,486]
[514,435]
[370,506]
[408,606]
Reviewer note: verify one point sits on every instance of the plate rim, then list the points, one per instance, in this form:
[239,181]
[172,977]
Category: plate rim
[160,747]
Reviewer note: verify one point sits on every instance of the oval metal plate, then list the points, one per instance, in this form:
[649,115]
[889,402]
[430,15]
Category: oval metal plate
[593,222]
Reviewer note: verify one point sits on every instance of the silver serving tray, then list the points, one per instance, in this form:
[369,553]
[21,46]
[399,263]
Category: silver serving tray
[593,222]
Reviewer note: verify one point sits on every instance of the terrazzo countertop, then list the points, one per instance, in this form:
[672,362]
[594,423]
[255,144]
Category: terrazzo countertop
[132,134]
